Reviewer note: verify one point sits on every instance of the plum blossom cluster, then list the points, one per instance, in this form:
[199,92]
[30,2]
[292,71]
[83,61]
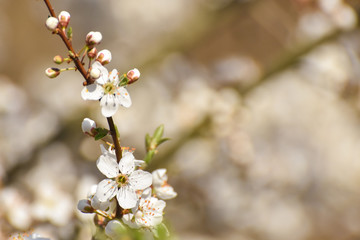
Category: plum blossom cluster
[129,200]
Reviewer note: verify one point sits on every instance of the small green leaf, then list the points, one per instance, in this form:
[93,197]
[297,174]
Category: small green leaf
[100,133]
[158,132]
[69,33]
[147,142]
[161,231]
[162,140]
[123,80]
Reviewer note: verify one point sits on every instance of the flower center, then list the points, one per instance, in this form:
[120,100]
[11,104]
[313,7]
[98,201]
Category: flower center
[109,88]
[121,180]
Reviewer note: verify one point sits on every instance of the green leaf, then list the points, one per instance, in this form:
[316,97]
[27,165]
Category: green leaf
[147,142]
[123,80]
[69,33]
[158,133]
[100,133]
[162,140]
[161,231]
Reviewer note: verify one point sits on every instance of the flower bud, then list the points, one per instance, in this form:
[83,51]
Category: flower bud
[51,23]
[88,125]
[92,53]
[52,72]
[133,75]
[64,18]
[84,206]
[58,59]
[104,57]
[114,229]
[95,73]
[93,38]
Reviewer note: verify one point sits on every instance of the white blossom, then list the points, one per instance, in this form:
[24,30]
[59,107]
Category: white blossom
[162,189]
[106,89]
[148,214]
[122,179]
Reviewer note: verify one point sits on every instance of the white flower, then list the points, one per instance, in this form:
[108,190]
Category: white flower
[148,214]
[106,88]
[88,125]
[162,189]
[123,180]
[51,23]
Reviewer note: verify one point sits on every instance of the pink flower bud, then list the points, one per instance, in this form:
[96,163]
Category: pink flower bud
[51,23]
[93,38]
[92,53]
[52,72]
[133,75]
[64,18]
[58,59]
[104,57]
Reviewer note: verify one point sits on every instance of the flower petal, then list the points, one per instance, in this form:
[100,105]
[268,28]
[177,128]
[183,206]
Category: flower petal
[114,76]
[126,197]
[140,179]
[92,92]
[108,166]
[127,219]
[108,105]
[106,190]
[159,177]
[104,73]
[123,97]
[127,163]
[97,204]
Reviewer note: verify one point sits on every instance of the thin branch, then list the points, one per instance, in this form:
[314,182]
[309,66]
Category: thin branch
[85,74]
[115,138]
[68,45]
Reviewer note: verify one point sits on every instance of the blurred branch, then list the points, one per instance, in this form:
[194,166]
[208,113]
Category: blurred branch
[287,61]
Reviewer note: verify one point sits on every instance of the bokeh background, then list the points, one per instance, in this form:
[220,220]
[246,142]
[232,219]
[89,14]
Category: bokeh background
[260,98]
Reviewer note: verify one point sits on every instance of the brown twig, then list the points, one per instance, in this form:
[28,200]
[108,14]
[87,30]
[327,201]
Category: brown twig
[115,138]
[69,46]
[85,74]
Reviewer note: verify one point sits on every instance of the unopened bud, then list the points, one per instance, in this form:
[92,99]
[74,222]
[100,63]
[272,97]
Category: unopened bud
[64,18]
[92,53]
[52,72]
[104,57]
[95,73]
[58,59]
[93,38]
[133,75]
[51,23]
[88,125]
[84,206]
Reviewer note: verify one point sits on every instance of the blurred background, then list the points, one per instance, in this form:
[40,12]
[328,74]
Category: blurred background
[260,98]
